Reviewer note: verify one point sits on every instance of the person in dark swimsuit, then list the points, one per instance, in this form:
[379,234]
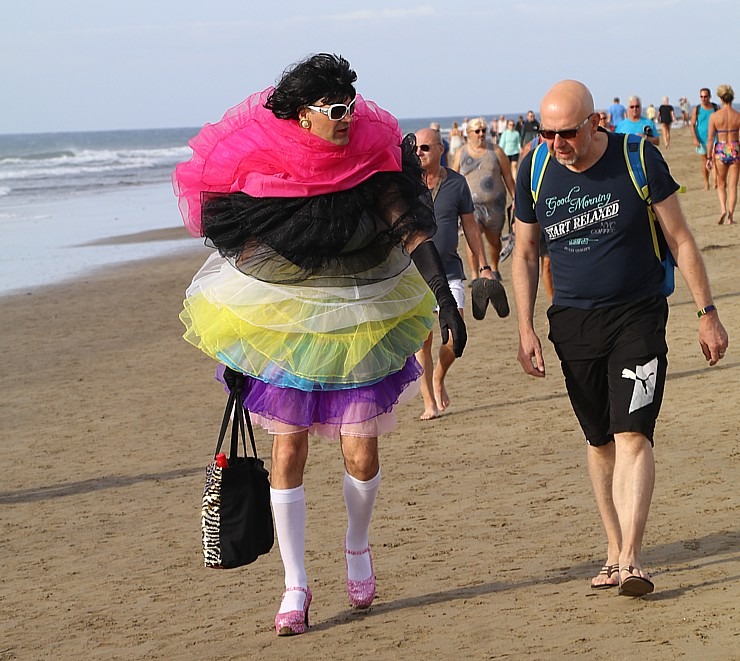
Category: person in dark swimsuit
[666,117]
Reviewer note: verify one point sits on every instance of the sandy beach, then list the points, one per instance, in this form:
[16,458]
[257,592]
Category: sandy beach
[485,533]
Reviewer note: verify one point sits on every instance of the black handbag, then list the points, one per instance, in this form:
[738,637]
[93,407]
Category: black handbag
[236,520]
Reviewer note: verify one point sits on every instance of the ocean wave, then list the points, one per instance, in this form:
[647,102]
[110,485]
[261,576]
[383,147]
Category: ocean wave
[40,156]
[88,161]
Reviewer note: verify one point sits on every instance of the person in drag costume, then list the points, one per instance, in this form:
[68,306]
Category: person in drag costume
[319,293]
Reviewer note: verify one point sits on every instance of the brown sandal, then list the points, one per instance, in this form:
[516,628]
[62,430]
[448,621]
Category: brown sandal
[634,585]
[606,570]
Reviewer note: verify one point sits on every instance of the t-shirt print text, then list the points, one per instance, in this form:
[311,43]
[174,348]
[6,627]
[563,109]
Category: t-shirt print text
[600,216]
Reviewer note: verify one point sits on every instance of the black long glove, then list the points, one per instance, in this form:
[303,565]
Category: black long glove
[430,266]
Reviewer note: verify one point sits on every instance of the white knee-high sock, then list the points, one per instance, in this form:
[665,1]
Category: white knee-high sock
[289,512]
[359,498]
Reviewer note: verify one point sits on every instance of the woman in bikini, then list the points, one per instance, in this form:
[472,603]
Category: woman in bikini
[724,126]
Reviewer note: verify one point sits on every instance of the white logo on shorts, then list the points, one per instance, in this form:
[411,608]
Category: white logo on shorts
[644,378]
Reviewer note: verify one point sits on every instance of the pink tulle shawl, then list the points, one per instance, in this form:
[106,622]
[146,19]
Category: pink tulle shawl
[252,151]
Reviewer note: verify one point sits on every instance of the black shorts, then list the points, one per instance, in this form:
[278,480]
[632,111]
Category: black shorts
[614,361]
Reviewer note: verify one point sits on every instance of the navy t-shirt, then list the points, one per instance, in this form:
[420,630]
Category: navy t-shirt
[453,199]
[597,226]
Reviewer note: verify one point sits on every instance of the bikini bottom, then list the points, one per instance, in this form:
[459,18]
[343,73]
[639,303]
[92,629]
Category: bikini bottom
[728,152]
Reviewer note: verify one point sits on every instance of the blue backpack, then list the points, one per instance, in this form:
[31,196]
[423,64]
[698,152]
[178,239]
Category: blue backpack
[634,156]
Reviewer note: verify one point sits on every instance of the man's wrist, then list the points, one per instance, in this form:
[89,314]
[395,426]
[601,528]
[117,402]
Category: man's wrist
[706,310]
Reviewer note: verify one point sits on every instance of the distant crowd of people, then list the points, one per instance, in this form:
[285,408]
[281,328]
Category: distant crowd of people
[720,165]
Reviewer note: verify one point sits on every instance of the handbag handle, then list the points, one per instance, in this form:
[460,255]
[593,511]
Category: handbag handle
[235,405]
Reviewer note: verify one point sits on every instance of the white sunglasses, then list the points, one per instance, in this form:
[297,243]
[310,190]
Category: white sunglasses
[335,111]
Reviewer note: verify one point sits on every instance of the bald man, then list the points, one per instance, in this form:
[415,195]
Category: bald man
[608,317]
[452,202]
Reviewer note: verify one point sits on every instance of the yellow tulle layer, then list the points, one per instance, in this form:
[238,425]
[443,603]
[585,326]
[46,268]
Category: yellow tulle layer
[311,336]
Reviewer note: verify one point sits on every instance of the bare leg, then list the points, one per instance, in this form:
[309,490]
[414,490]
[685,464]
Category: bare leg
[494,240]
[721,175]
[289,455]
[601,470]
[733,175]
[634,479]
[424,356]
[704,171]
[446,358]
[360,454]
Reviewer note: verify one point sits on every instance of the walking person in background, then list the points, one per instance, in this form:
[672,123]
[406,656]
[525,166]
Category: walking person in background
[700,127]
[636,123]
[456,141]
[511,144]
[320,290]
[617,112]
[501,125]
[724,125]
[488,173]
[520,125]
[530,127]
[685,106]
[608,317]
[666,117]
[651,113]
[453,203]
[436,126]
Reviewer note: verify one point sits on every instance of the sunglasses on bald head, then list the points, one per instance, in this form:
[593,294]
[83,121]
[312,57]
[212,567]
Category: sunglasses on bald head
[566,134]
[426,148]
[336,111]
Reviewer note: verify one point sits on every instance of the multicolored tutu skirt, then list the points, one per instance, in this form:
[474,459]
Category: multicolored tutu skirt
[328,359]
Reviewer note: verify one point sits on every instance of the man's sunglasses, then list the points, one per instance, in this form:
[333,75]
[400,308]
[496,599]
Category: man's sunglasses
[425,148]
[565,134]
[335,111]
[637,106]
[479,131]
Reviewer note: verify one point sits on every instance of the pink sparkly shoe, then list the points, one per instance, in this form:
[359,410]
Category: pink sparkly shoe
[293,623]
[361,593]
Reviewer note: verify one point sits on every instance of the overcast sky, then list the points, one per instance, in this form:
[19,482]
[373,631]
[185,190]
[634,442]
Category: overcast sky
[97,64]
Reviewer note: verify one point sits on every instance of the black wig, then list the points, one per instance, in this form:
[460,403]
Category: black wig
[321,77]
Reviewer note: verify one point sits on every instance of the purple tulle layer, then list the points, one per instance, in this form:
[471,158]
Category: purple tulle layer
[362,411]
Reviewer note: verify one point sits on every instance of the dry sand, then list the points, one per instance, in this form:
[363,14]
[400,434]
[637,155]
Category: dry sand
[485,534]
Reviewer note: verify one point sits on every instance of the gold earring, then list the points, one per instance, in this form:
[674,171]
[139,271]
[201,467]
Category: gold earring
[305,124]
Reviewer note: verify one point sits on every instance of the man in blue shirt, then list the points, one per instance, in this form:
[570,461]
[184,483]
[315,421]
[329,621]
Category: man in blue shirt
[636,123]
[617,112]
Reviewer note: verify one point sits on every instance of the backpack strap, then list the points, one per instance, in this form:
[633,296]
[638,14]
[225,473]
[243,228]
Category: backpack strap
[634,155]
[540,159]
